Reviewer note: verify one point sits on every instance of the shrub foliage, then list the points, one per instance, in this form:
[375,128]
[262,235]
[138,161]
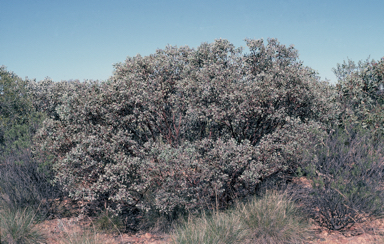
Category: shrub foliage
[347,172]
[18,118]
[23,183]
[347,168]
[183,128]
[361,92]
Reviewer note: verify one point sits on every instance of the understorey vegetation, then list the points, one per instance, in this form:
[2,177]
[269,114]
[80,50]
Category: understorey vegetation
[347,175]
[185,131]
[347,167]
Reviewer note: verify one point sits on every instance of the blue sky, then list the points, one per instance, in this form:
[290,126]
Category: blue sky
[83,39]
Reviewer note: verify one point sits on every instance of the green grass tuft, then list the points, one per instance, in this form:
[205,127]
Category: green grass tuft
[274,219]
[19,226]
[270,219]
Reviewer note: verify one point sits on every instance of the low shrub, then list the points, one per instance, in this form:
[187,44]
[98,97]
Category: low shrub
[23,182]
[27,184]
[347,173]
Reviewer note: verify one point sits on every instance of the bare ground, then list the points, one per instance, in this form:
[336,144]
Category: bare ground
[68,230]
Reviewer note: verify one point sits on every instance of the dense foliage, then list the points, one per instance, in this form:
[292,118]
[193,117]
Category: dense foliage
[23,183]
[361,90]
[194,129]
[347,173]
[183,128]
[347,168]
[18,121]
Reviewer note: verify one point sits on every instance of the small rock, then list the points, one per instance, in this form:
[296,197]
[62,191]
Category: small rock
[135,239]
[347,234]
[324,233]
[148,235]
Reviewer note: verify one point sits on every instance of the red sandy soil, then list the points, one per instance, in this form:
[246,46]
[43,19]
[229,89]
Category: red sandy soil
[58,230]
[62,230]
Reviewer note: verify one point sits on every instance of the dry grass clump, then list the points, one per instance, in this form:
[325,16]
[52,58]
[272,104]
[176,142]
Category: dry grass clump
[83,237]
[274,218]
[216,228]
[18,226]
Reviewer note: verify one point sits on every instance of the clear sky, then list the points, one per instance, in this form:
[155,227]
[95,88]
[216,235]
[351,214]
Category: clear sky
[76,39]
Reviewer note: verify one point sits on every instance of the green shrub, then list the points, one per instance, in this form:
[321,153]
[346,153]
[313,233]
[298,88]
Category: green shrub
[347,172]
[183,129]
[26,185]
[361,93]
[18,118]
[23,182]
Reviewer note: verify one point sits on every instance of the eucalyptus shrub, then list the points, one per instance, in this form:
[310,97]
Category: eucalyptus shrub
[23,182]
[183,128]
[47,95]
[361,93]
[18,118]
